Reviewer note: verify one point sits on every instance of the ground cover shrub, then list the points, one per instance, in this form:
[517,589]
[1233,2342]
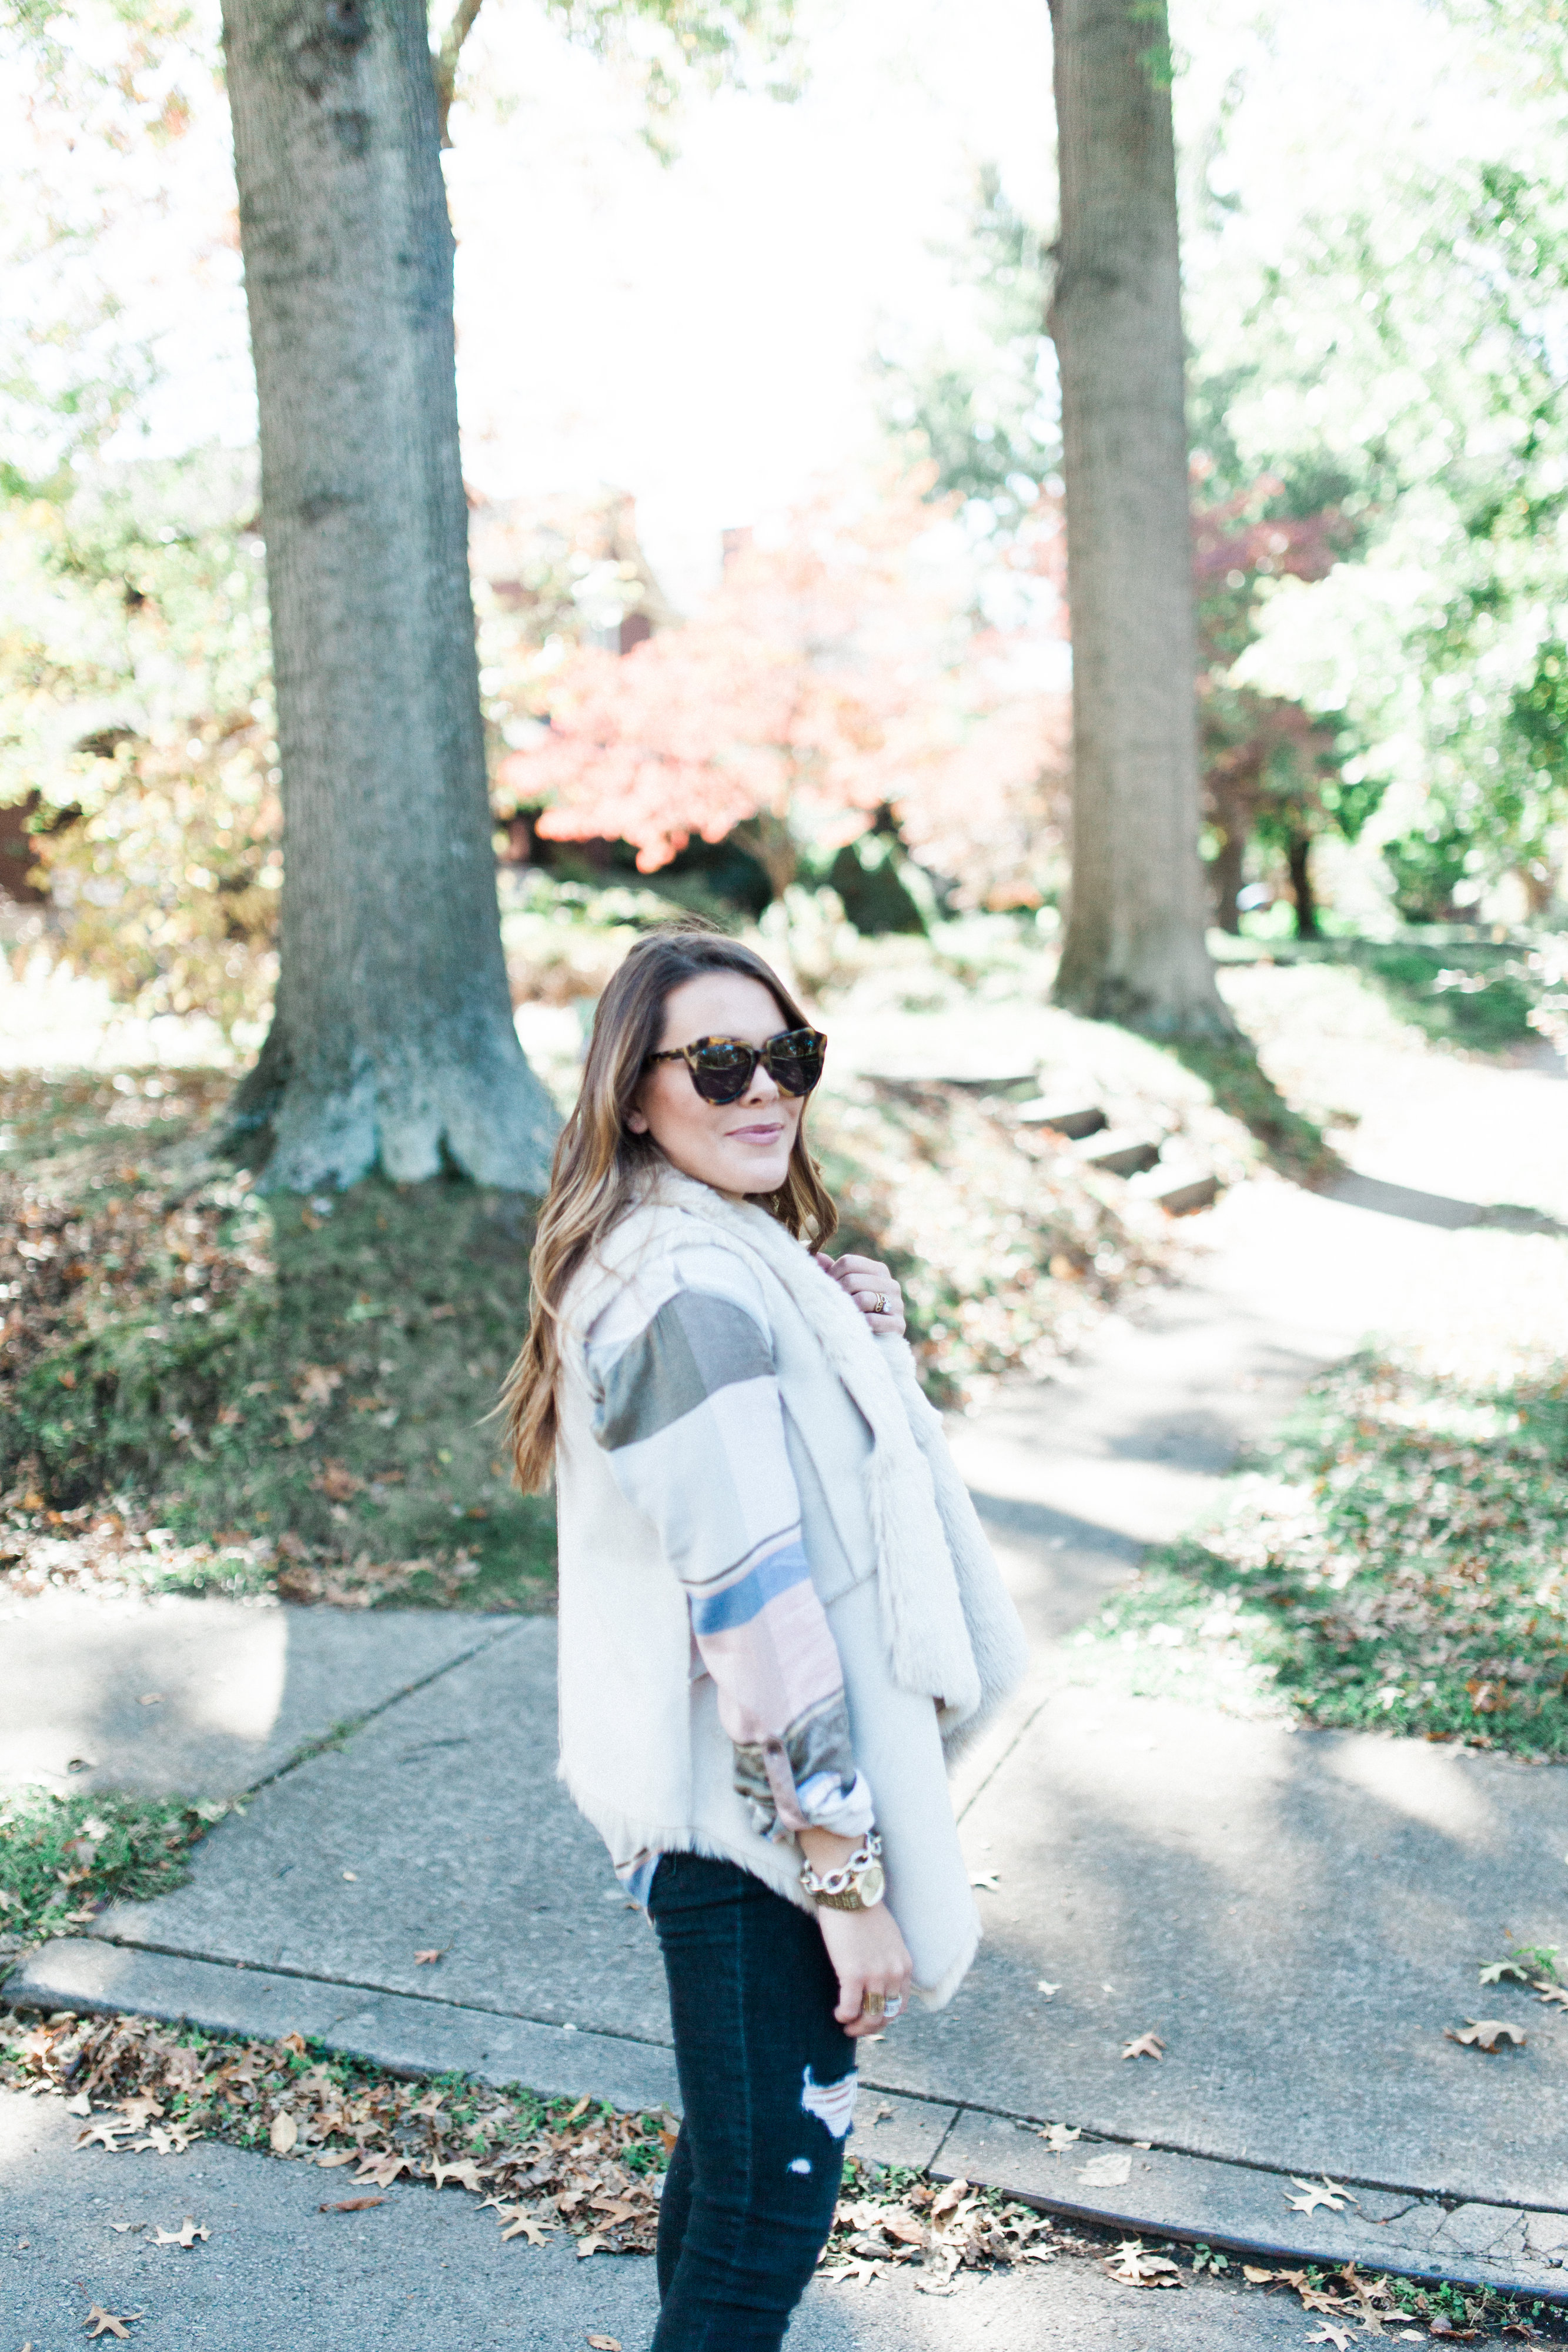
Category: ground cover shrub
[61,1856]
[1395,1562]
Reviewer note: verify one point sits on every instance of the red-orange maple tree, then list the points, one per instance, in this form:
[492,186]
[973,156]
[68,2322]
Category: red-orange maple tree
[836,670]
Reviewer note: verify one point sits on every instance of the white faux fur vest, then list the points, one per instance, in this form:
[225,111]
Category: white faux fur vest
[883,1512]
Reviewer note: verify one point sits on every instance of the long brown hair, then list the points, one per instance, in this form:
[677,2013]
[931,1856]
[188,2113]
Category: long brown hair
[599,1166]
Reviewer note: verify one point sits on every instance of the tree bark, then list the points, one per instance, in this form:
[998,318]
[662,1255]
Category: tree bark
[392,1043]
[1299,856]
[1135,950]
[1226,873]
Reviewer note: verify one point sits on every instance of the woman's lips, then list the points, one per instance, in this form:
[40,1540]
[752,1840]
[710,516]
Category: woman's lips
[756,1134]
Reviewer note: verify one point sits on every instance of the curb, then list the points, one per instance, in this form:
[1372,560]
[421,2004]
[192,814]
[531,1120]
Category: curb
[1165,2193]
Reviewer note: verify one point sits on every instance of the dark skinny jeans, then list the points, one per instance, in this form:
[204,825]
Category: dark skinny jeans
[748,2199]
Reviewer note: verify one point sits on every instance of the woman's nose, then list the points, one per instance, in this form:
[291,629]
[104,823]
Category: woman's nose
[764,1086]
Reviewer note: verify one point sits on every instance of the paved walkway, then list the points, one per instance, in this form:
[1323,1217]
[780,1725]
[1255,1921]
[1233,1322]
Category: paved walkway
[1298,1916]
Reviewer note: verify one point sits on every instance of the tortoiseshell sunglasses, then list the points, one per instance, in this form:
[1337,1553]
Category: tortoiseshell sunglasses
[722,1068]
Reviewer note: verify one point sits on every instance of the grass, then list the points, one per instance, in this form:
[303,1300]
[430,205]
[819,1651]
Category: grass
[1394,1562]
[1292,1142]
[61,1856]
[294,1392]
[201,1390]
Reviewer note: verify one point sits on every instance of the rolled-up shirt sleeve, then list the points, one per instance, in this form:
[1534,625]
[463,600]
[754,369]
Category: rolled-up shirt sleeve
[687,1407]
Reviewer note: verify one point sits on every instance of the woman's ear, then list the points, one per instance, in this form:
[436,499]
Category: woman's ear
[636,1118]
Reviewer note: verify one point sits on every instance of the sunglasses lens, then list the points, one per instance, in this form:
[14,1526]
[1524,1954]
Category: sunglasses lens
[795,1060]
[721,1072]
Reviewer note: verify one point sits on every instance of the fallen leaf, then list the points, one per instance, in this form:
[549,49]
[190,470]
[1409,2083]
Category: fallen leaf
[1316,2193]
[1108,2171]
[150,1698]
[314,1384]
[1329,2334]
[295,2042]
[338,2155]
[185,2235]
[285,2131]
[383,2170]
[1049,1990]
[904,2227]
[109,2130]
[589,2245]
[517,2224]
[1553,1992]
[1147,2046]
[100,2322]
[165,2139]
[604,2344]
[80,2105]
[426,1959]
[467,2174]
[1254,2276]
[336,1482]
[953,2195]
[137,2110]
[1495,1971]
[1060,2136]
[1485,2034]
[350,1875]
[1132,2267]
[351,2205]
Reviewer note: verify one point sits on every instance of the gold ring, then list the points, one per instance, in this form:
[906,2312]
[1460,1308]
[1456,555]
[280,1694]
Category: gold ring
[873,2004]
[879,1304]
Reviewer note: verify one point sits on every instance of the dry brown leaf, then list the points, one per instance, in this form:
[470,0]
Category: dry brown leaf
[1132,2267]
[1331,2193]
[466,2174]
[426,1959]
[109,2130]
[1254,2276]
[351,2205]
[1147,2046]
[517,2224]
[100,2322]
[604,2344]
[166,2139]
[1487,2033]
[338,2155]
[947,2198]
[185,2235]
[589,2245]
[1329,2334]
[904,2227]
[1551,1992]
[283,2132]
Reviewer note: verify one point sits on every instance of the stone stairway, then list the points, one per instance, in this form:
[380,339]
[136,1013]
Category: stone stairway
[1159,1166]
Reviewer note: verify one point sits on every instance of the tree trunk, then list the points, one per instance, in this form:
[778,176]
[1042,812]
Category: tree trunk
[1135,950]
[392,1042]
[1299,856]
[1225,873]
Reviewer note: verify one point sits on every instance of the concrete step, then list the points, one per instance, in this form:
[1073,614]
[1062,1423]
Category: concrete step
[1069,1116]
[1180,1190]
[1121,1152]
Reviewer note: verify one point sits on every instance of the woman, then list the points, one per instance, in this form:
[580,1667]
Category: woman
[777,1607]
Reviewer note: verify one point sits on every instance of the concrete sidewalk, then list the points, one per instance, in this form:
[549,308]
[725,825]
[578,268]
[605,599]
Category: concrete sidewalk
[1298,1916]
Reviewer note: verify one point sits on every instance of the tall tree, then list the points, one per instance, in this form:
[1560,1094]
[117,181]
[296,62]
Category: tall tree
[1135,949]
[392,1042]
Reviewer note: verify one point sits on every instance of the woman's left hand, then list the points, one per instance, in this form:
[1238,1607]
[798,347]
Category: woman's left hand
[868,1282]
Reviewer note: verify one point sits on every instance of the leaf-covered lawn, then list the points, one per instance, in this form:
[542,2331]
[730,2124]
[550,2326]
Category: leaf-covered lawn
[1399,1561]
[61,1856]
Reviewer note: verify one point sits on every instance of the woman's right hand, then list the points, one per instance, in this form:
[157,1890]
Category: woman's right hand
[869,1956]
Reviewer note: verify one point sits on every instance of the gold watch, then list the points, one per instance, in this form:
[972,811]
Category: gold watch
[857,1885]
